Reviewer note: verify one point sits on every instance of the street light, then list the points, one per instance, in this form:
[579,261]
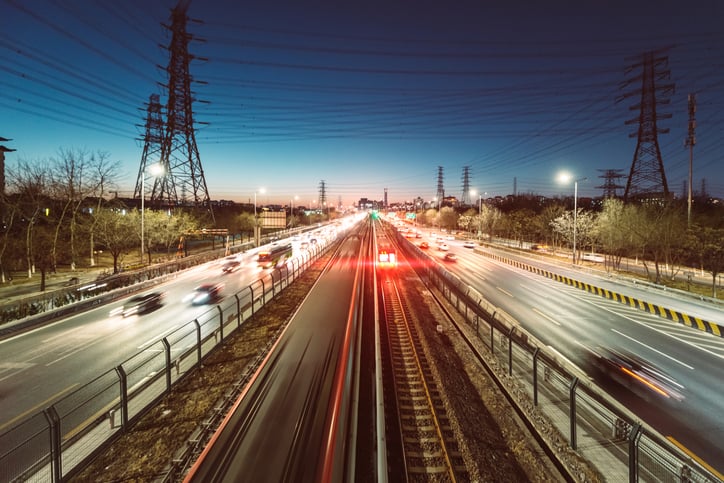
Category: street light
[154,170]
[565,178]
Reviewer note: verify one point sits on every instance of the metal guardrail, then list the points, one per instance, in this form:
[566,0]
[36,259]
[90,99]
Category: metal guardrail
[49,445]
[616,442]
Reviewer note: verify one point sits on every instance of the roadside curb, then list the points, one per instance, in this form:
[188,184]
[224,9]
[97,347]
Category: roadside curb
[661,311]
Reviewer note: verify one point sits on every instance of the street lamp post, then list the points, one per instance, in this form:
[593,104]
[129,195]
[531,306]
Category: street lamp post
[155,170]
[565,178]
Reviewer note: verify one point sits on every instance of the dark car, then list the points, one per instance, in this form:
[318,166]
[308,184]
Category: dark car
[141,304]
[230,266]
[450,257]
[636,374]
[206,293]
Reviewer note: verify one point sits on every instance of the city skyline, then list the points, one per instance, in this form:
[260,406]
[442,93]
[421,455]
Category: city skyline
[370,97]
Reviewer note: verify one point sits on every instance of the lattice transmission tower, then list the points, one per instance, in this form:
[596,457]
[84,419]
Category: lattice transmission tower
[323,194]
[647,179]
[465,199]
[183,183]
[610,185]
[440,187]
[152,140]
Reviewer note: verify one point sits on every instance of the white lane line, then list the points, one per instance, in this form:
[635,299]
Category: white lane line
[650,323]
[651,348]
[545,316]
[505,292]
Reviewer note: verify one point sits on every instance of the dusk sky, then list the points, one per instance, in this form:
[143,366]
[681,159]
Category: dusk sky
[369,95]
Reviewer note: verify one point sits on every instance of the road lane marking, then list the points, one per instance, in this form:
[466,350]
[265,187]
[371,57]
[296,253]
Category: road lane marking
[647,325]
[35,408]
[505,292]
[651,348]
[545,316]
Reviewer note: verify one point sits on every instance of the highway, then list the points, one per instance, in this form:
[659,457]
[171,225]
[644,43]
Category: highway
[569,320]
[41,366]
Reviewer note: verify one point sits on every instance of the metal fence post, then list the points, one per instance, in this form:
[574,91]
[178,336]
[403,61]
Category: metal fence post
[167,353]
[251,291]
[510,351]
[56,460]
[221,323]
[633,453]
[198,340]
[238,310]
[123,381]
[574,383]
[535,376]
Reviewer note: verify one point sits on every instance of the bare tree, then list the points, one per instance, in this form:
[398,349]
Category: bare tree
[9,212]
[104,178]
[30,184]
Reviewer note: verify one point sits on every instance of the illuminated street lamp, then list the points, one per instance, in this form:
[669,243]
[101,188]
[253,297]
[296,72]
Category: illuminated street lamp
[566,178]
[154,170]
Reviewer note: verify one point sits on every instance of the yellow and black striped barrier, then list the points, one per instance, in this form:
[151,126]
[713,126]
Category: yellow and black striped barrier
[659,310]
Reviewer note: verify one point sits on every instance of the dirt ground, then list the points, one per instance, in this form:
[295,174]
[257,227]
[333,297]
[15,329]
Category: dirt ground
[496,445]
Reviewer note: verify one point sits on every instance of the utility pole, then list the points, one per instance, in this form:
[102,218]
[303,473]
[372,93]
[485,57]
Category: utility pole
[690,142]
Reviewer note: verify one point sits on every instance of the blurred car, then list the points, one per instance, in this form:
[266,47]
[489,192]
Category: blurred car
[443,247]
[593,257]
[230,266]
[450,257]
[469,244]
[636,374]
[205,294]
[424,245]
[450,237]
[140,304]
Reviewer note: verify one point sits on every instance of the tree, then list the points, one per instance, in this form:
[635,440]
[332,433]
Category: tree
[165,230]
[447,218]
[709,250]
[585,223]
[115,231]
[657,228]
[30,183]
[468,221]
[8,212]
[490,218]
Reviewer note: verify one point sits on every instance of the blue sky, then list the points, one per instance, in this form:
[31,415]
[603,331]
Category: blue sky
[369,95]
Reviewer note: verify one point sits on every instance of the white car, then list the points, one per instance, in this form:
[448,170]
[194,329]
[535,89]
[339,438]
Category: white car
[443,247]
[469,244]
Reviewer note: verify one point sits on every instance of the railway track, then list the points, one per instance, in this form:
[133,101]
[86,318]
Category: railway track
[418,423]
